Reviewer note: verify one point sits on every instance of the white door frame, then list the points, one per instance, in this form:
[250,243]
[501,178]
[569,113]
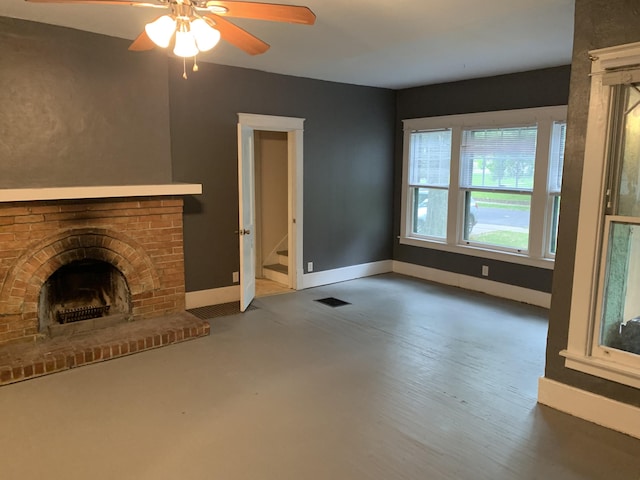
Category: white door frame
[294,127]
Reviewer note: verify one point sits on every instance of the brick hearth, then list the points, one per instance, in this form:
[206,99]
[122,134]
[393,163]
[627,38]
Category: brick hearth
[24,361]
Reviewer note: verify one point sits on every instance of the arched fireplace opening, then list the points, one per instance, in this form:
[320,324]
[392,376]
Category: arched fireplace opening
[83,295]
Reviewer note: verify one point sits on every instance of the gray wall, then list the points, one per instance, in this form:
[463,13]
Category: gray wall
[348,165]
[599,24]
[537,88]
[79,109]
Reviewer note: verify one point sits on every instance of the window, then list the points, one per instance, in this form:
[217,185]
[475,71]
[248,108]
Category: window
[485,184]
[558,139]
[429,182]
[604,328]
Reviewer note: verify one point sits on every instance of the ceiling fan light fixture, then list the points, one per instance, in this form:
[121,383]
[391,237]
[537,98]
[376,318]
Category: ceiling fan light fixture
[161,30]
[185,42]
[206,36]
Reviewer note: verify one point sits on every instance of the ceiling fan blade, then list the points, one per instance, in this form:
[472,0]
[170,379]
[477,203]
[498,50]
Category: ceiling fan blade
[265,11]
[142,43]
[237,36]
[103,2]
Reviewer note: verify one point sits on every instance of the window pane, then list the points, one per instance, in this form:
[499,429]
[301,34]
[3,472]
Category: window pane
[620,326]
[555,217]
[498,158]
[629,193]
[430,212]
[498,219]
[430,157]
[556,160]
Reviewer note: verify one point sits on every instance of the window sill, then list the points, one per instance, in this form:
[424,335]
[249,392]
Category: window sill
[473,251]
[616,372]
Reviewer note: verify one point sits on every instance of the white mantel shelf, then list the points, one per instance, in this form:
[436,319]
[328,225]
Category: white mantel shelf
[108,191]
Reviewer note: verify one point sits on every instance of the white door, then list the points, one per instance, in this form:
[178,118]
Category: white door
[247,216]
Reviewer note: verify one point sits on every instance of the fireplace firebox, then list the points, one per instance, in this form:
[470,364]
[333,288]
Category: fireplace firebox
[89,291]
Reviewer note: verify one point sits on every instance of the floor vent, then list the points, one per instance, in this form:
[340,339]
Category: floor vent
[221,310]
[333,302]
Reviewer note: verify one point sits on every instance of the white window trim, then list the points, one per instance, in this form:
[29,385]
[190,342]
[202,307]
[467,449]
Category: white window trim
[544,117]
[579,352]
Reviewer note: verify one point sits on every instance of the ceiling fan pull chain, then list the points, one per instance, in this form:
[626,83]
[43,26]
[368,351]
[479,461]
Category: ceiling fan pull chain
[195,64]
[184,68]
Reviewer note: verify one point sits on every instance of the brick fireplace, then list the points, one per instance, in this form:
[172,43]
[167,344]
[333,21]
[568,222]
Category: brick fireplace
[56,253]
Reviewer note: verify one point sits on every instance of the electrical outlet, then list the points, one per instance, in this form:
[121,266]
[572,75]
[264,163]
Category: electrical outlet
[485,270]
[236,277]
[310,267]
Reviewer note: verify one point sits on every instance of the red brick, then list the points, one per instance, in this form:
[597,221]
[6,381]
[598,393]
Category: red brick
[49,365]
[17,373]
[7,337]
[45,208]
[177,202]
[38,368]
[42,227]
[106,352]
[60,360]
[165,307]
[18,292]
[142,295]
[137,226]
[10,210]
[70,360]
[29,218]
[79,358]
[5,375]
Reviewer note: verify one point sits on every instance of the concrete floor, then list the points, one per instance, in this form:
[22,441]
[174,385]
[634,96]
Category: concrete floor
[411,381]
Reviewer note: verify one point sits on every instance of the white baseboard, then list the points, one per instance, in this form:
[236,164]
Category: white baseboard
[217,296]
[214,296]
[497,289]
[317,279]
[594,408]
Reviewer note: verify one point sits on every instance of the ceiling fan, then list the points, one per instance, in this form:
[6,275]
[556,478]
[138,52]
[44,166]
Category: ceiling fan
[195,26]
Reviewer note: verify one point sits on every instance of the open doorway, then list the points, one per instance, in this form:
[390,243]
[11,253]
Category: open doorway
[270,197]
[271,207]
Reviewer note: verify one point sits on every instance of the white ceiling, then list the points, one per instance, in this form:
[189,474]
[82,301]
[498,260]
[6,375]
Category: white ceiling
[393,44]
